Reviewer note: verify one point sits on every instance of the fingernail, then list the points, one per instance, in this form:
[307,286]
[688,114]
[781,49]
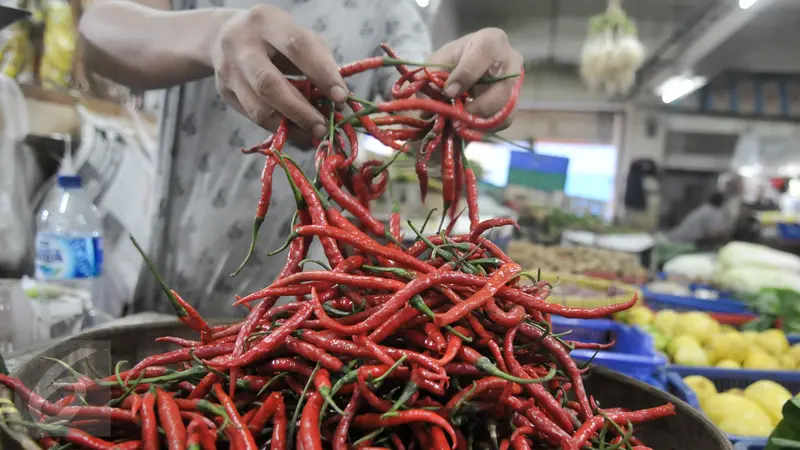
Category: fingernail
[319,131]
[452,90]
[338,94]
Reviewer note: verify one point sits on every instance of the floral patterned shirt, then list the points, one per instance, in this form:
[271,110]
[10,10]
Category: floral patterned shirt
[209,190]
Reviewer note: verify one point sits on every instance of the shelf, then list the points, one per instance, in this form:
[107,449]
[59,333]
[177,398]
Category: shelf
[54,112]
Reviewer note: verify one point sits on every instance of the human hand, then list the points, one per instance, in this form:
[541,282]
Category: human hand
[252,52]
[484,52]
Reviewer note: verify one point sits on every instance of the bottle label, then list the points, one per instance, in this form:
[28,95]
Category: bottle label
[60,257]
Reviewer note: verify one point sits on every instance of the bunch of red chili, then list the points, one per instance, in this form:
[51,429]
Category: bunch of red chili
[444,344]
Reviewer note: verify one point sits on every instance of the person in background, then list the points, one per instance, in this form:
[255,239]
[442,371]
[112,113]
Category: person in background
[225,63]
[765,199]
[642,195]
[706,226]
[734,190]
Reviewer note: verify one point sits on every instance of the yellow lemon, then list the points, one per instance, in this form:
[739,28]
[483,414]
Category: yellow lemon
[691,356]
[721,406]
[787,362]
[794,353]
[697,324]
[679,342]
[730,346]
[773,341]
[752,423]
[728,364]
[735,391]
[640,315]
[750,336]
[664,321]
[723,329]
[702,387]
[770,396]
[757,359]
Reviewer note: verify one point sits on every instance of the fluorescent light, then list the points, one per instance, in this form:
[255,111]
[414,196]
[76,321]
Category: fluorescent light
[679,87]
[744,4]
[425,3]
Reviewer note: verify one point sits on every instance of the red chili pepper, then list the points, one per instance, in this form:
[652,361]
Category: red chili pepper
[308,437]
[180,355]
[542,397]
[149,423]
[326,176]
[373,129]
[271,341]
[35,401]
[85,440]
[498,279]
[458,176]
[206,437]
[365,245]
[591,426]
[434,333]
[266,195]
[46,442]
[245,437]
[265,412]
[406,417]
[482,227]
[454,113]
[193,441]
[313,353]
[279,424]
[170,417]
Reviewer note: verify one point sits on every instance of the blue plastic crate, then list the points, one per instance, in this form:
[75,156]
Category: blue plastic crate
[633,353]
[723,304]
[750,444]
[789,231]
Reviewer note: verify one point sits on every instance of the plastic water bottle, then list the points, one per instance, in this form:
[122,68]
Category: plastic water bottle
[69,258]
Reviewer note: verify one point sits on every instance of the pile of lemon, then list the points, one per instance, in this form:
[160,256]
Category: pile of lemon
[695,339]
[754,411]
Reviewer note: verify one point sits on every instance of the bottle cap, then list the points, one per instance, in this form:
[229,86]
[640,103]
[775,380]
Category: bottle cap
[69,181]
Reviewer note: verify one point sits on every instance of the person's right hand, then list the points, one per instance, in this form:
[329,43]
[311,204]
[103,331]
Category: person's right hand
[251,54]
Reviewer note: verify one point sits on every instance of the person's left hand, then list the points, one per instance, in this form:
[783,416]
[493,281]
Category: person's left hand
[484,52]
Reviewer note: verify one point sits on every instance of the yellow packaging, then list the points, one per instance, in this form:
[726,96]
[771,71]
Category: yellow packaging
[17,52]
[60,42]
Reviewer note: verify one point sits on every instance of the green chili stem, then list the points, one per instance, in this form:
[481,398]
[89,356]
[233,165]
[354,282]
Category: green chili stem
[298,408]
[270,382]
[257,222]
[398,363]
[417,302]
[409,390]
[462,400]
[180,311]
[487,366]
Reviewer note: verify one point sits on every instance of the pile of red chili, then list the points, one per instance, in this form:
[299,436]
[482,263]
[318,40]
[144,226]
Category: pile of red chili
[438,345]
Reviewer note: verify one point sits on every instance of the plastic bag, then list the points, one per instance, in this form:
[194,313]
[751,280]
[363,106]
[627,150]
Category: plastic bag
[16,214]
[17,52]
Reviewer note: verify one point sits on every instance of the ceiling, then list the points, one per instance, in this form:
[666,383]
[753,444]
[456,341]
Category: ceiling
[553,31]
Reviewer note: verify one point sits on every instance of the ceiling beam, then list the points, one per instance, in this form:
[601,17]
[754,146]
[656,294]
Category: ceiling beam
[690,46]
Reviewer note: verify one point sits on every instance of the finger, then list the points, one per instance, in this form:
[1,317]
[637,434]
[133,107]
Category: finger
[308,53]
[493,98]
[479,55]
[231,99]
[271,88]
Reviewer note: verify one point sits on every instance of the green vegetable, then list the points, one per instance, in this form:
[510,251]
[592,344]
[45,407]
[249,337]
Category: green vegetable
[787,434]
